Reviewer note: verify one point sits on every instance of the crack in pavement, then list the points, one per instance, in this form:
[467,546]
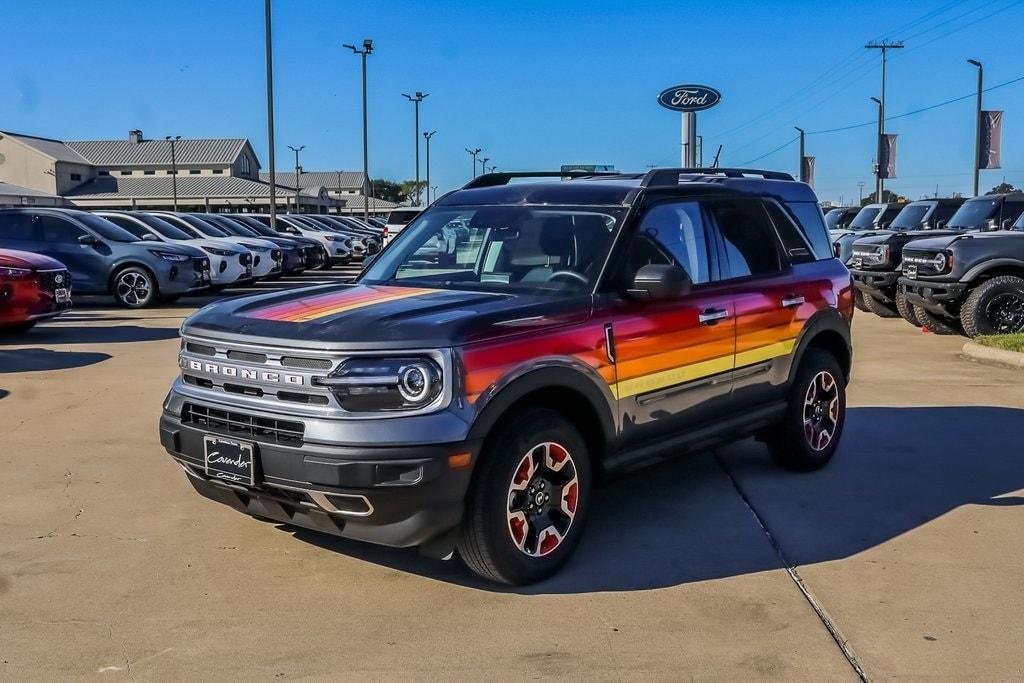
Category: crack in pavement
[830,625]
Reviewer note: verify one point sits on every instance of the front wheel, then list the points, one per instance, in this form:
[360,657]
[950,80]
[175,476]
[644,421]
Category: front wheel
[879,308]
[906,308]
[936,324]
[995,306]
[135,288]
[858,301]
[808,435]
[529,499]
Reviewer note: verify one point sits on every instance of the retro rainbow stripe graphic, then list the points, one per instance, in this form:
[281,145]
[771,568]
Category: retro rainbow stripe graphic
[332,303]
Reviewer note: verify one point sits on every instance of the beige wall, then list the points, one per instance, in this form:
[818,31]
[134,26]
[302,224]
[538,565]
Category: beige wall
[26,167]
[65,169]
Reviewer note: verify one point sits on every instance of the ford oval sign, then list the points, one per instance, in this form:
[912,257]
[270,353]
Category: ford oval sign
[689,98]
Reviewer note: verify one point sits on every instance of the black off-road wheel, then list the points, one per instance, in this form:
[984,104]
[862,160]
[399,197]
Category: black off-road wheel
[858,301]
[995,306]
[809,433]
[906,308]
[528,501]
[936,324]
[882,310]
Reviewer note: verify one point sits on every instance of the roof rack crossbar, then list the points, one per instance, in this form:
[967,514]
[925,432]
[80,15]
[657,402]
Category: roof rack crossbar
[495,179]
[669,177]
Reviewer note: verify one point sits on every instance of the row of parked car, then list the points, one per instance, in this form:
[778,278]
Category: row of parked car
[953,266]
[145,257]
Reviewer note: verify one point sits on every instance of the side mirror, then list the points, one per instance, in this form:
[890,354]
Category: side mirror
[1006,224]
[941,224]
[655,282]
[87,240]
[150,237]
[884,225]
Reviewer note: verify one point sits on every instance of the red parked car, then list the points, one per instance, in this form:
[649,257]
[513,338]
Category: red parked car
[32,287]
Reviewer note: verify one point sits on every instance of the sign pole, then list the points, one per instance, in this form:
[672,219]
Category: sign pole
[691,139]
[688,100]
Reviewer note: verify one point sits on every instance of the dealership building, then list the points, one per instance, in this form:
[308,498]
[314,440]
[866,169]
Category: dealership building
[199,174]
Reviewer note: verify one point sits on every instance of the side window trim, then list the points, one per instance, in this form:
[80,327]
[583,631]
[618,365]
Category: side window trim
[787,254]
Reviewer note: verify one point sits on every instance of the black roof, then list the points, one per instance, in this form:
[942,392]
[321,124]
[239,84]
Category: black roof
[622,188]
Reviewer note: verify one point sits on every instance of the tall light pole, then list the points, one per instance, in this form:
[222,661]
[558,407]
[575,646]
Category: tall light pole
[297,168]
[977,125]
[174,169]
[800,167]
[483,165]
[473,153]
[860,186]
[416,99]
[427,136]
[883,46]
[270,116]
[434,188]
[879,183]
[367,50]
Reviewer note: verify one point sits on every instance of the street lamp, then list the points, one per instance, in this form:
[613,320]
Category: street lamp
[800,167]
[434,188]
[427,136]
[416,99]
[297,169]
[977,125]
[268,48]
[174,169]
[879,183]
[473,153]
[483,165]
[367,50]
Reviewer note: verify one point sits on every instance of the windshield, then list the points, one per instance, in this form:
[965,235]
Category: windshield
[257,227]
[163,227]
[832,218]
[231,227]
[911,217]
[500,248]
[974,214]
[207,229]
[865,217]
[105,228]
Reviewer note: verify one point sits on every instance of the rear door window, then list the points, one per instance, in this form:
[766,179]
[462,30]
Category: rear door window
[17,226]
[749,242]
[53,230]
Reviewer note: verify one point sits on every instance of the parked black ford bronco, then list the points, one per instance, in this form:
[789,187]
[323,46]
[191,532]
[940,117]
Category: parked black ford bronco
[877,257]
[513,345]
[972,281]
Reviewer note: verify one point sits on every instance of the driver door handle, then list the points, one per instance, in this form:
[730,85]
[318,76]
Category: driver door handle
[709,316]
[792,301]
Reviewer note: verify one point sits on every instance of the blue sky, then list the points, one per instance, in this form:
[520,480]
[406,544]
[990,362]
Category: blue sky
[535,84]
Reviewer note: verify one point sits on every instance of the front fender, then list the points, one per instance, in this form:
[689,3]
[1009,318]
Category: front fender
[989,264]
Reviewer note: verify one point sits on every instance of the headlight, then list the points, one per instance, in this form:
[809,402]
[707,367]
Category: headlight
[218,252]
[170,256]
[940,262]
[364,385]
[254,247]
[872,257]
[15,272]
[334,238]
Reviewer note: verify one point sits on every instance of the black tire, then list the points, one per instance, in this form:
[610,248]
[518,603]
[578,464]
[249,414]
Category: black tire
[18,328]
[906,308]
[135,287]
[487,540]
[936,324]
[995,306]
[170,299]
[858,301]
[808,435]
[882,310]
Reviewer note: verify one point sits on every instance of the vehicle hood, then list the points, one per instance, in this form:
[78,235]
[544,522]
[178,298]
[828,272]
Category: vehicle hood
[215,243]
[170,247]
[898,236]
[12,258]
[937,243]
[255,241]
[281,242]
[371,317]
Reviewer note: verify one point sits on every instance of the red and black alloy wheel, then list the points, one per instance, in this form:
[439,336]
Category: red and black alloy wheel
[542,499]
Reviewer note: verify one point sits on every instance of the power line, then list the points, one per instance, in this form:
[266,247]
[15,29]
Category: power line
[768,154]
[961,27]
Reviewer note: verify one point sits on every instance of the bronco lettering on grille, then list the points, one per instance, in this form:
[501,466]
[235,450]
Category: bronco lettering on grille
[235,372]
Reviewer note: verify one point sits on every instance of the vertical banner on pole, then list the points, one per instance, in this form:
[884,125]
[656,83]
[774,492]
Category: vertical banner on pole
[807,170]
[887,162]
[991,147]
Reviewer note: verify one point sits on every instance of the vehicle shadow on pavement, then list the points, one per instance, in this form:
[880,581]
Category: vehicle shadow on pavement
[685,521]
[34,360]
[81,334]
[4,393]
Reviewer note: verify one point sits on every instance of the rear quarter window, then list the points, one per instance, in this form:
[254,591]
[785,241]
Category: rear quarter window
[812,223]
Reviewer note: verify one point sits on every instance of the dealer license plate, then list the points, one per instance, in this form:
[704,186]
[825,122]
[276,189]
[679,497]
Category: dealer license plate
[230,460]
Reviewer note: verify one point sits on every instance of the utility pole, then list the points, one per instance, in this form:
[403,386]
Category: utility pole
[427,137]
[473,153]
[977,126]
[367,50]
[174,169]
[297,169]
[883,46]
[483,165]
[800,168]
[700,150]
[860,187]
[270,116]
[416,99]
[435,192]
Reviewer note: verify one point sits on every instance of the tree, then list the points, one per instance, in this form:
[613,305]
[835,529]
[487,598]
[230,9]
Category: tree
[1003,188]
[387,190]
[409,190]
[888,196]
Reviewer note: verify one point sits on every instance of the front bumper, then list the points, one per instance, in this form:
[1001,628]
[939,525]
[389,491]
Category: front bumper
[880,284]
[398,496]
[935,296]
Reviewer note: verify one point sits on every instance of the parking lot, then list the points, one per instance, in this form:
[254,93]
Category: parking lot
[906,549]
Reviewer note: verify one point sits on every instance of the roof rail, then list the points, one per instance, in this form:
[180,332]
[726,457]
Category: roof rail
[493,179]
[669,177]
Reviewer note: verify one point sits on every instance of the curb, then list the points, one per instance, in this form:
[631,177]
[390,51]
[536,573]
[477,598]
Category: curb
[993,356]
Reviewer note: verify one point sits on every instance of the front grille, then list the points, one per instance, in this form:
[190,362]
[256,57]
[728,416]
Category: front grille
[48,279]
[306,363]
[247,357]
[201,349]
[925,262]
[285,432]
[245,259]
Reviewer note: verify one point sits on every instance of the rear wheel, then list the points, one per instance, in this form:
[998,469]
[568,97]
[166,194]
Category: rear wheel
[906,308]
[135,287]
[936,324]
[995,306]
[17,328]
[858,301]
[808,435]
[882,310]
[529,499]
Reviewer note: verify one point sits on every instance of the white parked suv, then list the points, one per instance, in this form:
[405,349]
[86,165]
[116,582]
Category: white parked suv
[337,245]
[266,256]
[398,219]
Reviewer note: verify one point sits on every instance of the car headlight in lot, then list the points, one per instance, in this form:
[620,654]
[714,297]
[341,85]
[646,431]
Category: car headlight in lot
[872,256]
[254,247]
[364,385]
[334,238]
[941,262]
[15,272]
[170,256]
[217,252]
